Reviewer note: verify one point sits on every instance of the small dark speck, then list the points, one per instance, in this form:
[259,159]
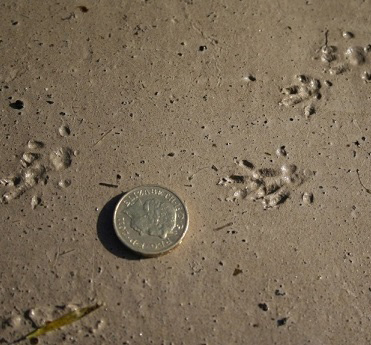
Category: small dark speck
[237,178]
[279,293]
[223,226]
[202,48]
[214,168]
[281,322]
[108,185]
[263,306]
[50,102]
[83,9]
[247,164]
[34,341]
[171,154]
[237,271]
[18,104]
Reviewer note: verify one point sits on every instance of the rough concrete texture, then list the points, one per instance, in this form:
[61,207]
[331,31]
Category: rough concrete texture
[256,113]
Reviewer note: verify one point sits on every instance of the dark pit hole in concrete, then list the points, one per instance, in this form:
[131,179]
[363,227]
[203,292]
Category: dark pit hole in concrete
[281,322]
[263,306]
[18,104]
[83,9]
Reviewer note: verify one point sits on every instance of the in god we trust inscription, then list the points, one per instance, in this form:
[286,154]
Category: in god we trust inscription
[150,220]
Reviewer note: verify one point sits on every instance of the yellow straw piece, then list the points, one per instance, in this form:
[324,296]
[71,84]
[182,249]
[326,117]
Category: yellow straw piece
[63,321]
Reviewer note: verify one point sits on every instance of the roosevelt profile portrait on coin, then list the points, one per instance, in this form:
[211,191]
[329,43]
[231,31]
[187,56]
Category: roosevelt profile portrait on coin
[152,217]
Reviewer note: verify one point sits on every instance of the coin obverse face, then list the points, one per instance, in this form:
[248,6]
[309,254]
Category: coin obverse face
[150,220]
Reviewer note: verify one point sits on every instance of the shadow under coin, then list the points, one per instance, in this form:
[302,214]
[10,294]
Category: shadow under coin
[107,235]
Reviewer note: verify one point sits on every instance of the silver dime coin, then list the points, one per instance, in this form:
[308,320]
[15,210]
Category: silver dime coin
[150,220]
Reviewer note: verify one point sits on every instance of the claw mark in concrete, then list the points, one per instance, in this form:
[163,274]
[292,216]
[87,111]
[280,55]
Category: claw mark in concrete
[223,226]
[359,179]
[103,136]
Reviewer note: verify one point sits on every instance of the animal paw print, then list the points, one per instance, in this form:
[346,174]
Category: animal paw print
[306,89]
[33,171]
[344,57]
[271,186]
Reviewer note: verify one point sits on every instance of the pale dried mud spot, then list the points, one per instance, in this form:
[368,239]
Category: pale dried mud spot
[249,77]
[309,110]
[64,131]
[355,55]
[308,198]
[64,183]
[60,158]
[10,327]
[268,185]
[34,144]
[366,76]
[35,201]
[347,35]
[281,151]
